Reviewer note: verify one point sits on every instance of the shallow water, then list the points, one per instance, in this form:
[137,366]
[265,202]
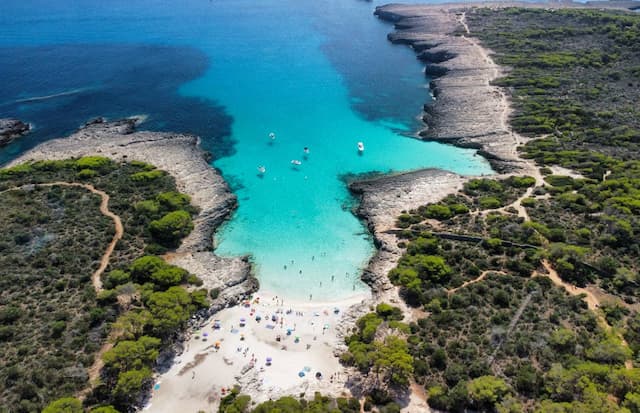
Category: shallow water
[318,74]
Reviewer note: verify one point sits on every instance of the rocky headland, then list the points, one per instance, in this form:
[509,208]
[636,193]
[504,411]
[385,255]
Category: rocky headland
[467,110]
[181,156]
[11,129]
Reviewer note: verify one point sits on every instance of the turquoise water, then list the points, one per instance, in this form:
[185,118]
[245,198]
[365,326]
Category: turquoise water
[320,76]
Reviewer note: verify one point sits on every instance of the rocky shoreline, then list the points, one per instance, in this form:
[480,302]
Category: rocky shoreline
[11,129]
[382,200]
[467,110]
[181,156]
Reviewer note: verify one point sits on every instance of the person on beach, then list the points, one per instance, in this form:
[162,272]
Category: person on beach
[310,297]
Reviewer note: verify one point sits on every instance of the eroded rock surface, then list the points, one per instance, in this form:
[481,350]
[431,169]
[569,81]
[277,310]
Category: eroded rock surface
[467,110]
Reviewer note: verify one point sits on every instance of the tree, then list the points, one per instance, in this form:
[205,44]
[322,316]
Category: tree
[169,310]
[393,361]
[486,391]
[64,405]
[430,268]
[132,324]
[104,409]
[130,383]
[173,201]
[127,355]
[172,227]
[169,275]
[115,278]
[142,268]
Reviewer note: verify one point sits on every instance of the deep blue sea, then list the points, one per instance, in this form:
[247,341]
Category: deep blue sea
[319,75]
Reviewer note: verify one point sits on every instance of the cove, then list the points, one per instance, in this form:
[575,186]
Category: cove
[318,75]
[296,221]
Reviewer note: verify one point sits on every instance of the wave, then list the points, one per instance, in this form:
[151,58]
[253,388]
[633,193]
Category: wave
[47,97]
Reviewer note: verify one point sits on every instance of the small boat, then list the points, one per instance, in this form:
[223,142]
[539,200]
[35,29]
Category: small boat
[295,162]
[272,136]
[261,169]
[360,147]
[306,150]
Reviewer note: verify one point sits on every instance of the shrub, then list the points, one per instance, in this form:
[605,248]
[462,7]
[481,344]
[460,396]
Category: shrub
[172,227]
[437,211]
[147,176]
[64,405]
[489,202]
[86,173]
[96,163]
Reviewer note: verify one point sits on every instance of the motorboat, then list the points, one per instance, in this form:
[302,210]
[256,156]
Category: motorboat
[360,147]
[272,136]
[295,162]
[261,169]
[306,150]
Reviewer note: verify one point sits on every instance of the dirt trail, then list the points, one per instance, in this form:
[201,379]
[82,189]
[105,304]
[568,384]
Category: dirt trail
[104,210]
[94,370]
[593,303]
[475,280]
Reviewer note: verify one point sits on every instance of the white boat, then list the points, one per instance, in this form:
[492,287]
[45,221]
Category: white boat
[272,136]
[261,169]
[360,147]
[295,162]
[306,150]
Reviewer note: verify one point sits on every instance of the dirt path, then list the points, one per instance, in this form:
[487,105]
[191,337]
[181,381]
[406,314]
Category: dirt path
[593,302]
[94,370]
[104,210]
[475,280]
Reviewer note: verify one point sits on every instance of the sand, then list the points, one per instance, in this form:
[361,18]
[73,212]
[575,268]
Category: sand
[198,376]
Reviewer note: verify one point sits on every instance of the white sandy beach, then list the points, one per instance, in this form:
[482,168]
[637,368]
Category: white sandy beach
[196,380]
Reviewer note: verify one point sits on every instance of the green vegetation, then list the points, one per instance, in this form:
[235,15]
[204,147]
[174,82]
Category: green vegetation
[237,403]
[507,341]
[585,99]
[51,321]
[378,348]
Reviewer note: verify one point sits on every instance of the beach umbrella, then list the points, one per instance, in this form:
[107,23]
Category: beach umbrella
[318,375]
[269,361]
[307,369]
[326,326]
[258,318]
[242,320]
[301,374]
[205,334]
